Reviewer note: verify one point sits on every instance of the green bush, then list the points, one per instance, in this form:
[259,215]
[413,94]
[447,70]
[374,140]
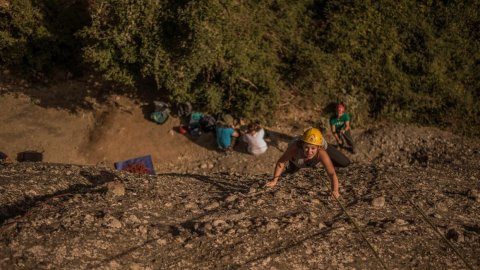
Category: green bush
[414,60]
[23,35]
[214,54]
[38,35]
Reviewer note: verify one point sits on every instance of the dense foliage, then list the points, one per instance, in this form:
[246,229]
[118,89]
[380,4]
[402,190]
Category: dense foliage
[410,60]
[36,35]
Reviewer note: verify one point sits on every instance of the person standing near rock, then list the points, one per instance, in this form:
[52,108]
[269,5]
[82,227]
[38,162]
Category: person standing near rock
[340,126]
[309,152]
[256,145]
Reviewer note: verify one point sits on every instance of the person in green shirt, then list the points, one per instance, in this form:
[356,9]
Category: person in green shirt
[340,126]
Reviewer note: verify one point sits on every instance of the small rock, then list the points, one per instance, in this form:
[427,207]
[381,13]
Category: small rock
[321,225]
[378,202]
[88,219]
[243,231]
[114,265]
[219,223]
[212,206]
[207,227]
[133,219]
[114,223]
[271,226]
[315,201]
[136,266]
[244,223]
[474,194]
[142,230]
[191,205]
[154,233]
[400,222]
[441,206]
[116,188]
[180,239]
[313,216]
[161,242]
[231,198]
[241,203]
[266,261]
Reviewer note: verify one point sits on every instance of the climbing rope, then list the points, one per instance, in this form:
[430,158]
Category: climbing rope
[431,225]
[357,227]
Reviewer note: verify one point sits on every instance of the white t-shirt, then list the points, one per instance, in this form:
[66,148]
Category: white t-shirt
[256,143]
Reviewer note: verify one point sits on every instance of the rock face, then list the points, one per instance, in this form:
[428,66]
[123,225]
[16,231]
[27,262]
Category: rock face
[61,216]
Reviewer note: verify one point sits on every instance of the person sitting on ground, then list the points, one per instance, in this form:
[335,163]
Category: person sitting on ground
[308,152]
[256,145]
[226,133]
[340,126]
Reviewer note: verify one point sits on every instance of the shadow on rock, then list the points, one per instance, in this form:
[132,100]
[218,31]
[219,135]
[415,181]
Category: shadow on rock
[22,208]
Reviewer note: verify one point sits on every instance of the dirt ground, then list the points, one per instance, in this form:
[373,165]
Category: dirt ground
[410,199]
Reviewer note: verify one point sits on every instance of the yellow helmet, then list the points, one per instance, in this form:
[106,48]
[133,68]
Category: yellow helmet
[313,136]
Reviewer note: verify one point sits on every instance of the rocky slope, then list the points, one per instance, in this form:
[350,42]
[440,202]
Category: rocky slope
[413,193]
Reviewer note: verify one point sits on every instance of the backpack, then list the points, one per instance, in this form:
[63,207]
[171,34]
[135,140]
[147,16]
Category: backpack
[194,123]
[159,117]
[208,123]
[161,106]
[161,113]
[195,118]
[184,109]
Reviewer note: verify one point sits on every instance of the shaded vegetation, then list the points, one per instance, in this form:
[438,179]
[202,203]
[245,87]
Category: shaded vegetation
[38,35]
[412,61]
